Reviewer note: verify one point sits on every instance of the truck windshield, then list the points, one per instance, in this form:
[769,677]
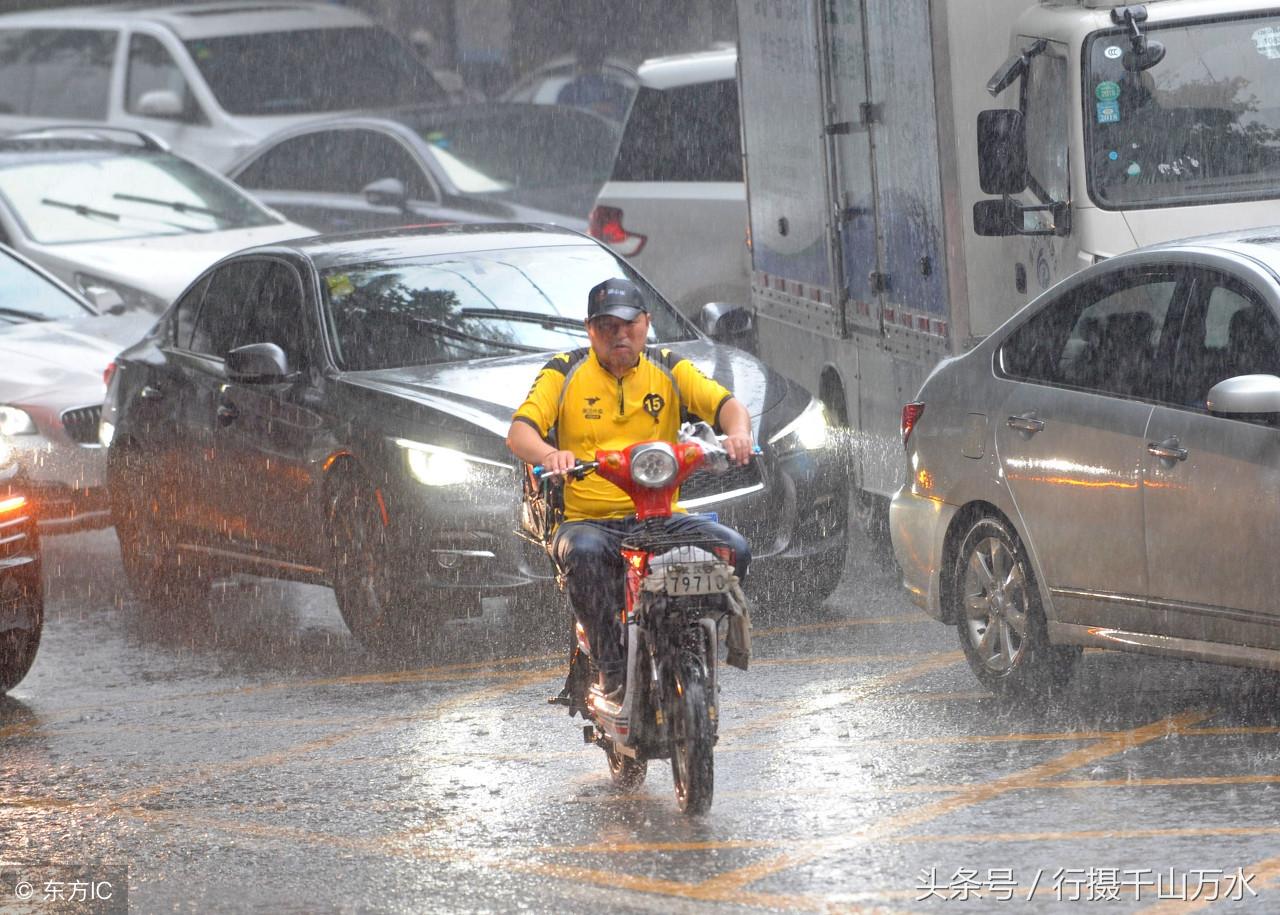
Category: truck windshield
[1201,126]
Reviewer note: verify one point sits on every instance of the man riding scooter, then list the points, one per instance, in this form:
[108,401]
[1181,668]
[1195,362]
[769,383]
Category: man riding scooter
[609,396]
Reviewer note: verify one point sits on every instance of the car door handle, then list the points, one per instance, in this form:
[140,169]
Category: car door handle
[1168,450]
[151,392]
[1027,422]
[227,414]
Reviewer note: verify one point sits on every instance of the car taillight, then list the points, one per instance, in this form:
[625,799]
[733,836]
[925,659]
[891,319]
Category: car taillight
[605,223]
[911,414]
[108,372]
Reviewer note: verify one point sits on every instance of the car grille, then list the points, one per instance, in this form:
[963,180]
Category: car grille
[82,424]
[704,484]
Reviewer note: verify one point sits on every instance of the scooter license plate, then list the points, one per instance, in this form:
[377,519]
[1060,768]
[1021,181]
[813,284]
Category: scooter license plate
[697,581]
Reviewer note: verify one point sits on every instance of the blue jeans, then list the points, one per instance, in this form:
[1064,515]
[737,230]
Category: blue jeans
[588,553]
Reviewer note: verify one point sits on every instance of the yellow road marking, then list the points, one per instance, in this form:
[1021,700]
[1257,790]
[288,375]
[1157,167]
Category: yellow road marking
[724,886]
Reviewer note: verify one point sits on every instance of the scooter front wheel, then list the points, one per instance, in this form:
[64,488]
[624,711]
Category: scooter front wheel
[627,773]
[692,741]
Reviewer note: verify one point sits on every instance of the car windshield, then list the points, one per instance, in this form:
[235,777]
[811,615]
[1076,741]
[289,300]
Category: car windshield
[518,150]
[1203,124]
[308,70]
[27,296]
[449,308]
[103,195]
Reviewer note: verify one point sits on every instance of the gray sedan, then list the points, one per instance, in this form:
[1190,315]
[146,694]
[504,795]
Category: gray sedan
[1104,469]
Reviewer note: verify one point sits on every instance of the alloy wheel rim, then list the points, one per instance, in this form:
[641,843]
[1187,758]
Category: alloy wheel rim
[995,603]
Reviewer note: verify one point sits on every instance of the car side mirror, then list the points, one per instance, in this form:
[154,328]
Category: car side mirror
[1245,394]
[104,298]
[1002,151]
[728,323]
[257,363]
[387,192]
[160,103]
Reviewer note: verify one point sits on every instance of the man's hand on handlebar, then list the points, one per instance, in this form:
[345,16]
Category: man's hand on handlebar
[739,448]
[558,462]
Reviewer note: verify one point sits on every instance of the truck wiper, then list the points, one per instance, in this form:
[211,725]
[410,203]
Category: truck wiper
[176,205]
[80,209]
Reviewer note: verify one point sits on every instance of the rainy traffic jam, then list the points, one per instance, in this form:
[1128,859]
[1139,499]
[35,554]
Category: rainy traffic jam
[559,456]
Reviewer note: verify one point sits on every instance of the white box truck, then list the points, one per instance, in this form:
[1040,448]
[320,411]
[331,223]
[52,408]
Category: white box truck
[886,235]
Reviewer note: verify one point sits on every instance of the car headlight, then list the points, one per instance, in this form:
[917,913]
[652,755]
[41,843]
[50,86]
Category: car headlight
[654,465]
[432,465]
[16,422]
[807,432]
[104,293]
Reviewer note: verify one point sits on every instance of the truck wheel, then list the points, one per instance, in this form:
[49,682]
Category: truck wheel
[21,622]
[375,603]
[999,617]
[692,740]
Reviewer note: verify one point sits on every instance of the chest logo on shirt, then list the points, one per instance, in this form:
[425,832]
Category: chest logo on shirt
[653,404]
[591,411]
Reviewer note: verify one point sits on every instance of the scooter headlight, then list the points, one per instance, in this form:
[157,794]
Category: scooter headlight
[654,465]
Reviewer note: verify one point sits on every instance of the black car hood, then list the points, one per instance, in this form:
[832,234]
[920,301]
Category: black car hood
[487,392]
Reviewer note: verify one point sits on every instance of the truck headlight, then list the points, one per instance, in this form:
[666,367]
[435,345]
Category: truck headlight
[807,432]
[16,422]
[433,465]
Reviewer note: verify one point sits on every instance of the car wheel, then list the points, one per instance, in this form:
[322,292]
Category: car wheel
[377,606]
[999,617]
[162,577]
[21,622]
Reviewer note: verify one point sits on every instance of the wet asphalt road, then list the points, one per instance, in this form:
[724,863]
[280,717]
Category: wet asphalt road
[261,761]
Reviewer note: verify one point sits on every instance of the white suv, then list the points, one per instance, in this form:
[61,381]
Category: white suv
[211,79]
[676,204]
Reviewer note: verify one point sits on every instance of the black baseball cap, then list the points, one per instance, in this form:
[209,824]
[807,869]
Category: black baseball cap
[617,297]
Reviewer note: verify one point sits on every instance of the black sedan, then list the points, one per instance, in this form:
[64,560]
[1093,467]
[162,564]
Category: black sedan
[479,163]
[333,410]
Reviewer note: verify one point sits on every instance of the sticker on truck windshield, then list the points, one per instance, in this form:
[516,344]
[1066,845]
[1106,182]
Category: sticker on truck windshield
[339,285]
[1109,112]
[1114,52]
[1267,41]
[1107,91]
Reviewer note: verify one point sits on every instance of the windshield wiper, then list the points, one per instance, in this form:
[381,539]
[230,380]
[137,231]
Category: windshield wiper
[23,315]
[176,205]
[462,336]
[527,317]
[80,209]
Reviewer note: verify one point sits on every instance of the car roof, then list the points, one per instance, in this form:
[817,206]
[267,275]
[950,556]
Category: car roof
[328,251]
[200,20]
[687,69]
[1261,245]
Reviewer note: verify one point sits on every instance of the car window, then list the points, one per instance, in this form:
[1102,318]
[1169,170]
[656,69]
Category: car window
[274,315]
[1103,337]
[450,308]
[64,195]
[336,162]
[185,313]
[56,73]
[152,68]
[231,288]
[27,296]
[311,70]
[684,134]
[1228,331]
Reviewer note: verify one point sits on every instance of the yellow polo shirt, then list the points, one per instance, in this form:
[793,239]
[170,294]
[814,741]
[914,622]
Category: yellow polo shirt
[599,411]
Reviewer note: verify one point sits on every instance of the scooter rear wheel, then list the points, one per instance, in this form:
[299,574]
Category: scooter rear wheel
[692,741]
[627,773]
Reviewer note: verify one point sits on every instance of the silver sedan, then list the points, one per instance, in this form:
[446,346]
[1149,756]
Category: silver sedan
[1104,470]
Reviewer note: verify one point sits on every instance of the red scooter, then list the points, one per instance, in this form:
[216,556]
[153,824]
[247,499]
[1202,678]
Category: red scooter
[680,589]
